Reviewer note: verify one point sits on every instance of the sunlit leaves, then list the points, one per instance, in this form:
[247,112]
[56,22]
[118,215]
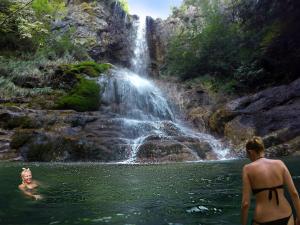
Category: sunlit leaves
[124,5]
[48,7]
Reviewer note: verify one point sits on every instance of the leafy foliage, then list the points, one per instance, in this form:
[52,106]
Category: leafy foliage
[247,44]
[25,26]
[124,5]
[49,8]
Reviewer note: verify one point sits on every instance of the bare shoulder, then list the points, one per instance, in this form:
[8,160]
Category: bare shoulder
[21,187]
[278,162]
[278,165]
[246,168]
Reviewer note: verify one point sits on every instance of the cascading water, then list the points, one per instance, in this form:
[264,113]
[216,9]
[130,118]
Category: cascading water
[148,127]
[141,59]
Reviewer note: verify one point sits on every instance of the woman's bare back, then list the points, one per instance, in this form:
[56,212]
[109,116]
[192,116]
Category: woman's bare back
[267,173]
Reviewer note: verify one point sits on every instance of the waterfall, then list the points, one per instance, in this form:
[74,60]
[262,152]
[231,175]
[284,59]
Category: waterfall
[134,97]
[145,120]
[141,58]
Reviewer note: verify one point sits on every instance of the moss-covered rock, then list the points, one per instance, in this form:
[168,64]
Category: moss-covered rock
[68,75]
[85,96]
[82,94]
[89,68]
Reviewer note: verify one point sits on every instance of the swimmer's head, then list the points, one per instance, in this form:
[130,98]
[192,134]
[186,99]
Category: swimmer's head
[255,144]
[26,175]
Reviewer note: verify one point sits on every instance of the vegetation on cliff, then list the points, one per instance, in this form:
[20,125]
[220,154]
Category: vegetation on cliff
[84,95]
[39,65]
[237,46]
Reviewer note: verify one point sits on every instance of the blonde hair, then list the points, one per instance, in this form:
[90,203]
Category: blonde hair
[24,170]
[256,143]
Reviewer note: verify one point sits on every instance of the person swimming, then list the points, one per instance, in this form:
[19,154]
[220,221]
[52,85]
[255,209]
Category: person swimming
[28,185]
[267,179]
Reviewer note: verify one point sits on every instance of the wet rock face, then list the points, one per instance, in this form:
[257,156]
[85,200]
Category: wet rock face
[156,149]
[66,135]
[194,104]
[101,27]
[273,114]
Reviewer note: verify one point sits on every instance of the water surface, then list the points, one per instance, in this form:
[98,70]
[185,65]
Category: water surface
[91,193]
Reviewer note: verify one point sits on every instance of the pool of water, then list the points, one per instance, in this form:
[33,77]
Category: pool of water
[92,193]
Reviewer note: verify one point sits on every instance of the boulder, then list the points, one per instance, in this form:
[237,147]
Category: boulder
[162,151]
[158,148]
[272,113]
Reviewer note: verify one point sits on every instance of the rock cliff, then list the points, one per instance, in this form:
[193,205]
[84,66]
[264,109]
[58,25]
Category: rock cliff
[101,27]
[160,32]
[272,113]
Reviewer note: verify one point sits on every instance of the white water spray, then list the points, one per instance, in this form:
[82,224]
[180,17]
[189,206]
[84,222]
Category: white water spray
[141,58]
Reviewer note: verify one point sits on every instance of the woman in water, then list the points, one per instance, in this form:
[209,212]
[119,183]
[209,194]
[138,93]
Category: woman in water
[267,179]
[28,186]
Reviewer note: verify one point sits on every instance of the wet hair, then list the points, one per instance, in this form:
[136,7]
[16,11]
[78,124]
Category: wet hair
[256,143]
[24,170]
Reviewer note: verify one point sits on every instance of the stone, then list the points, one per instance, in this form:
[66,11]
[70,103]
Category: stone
[272,113]
[161,151]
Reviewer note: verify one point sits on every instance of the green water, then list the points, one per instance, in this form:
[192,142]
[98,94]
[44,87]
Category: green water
[87,193]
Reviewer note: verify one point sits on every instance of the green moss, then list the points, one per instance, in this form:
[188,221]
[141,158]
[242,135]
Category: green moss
[91,69]
[85,96]
[88,68]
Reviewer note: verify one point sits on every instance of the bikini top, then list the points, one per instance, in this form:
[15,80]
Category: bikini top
[271,190]
[30,189]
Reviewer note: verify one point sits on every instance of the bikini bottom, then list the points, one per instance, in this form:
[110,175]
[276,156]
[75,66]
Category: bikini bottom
[283,221]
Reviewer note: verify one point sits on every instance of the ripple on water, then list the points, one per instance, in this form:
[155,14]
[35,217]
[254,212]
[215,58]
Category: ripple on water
[199,208]
[102,219]
[203,209]
[54,222]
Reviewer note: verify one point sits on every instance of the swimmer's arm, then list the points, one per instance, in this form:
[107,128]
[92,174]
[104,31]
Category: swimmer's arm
[246,196]
[292,190]
[27,193]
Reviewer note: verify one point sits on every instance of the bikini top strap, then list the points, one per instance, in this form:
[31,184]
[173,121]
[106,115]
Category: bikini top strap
[276,193]
[271,189]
